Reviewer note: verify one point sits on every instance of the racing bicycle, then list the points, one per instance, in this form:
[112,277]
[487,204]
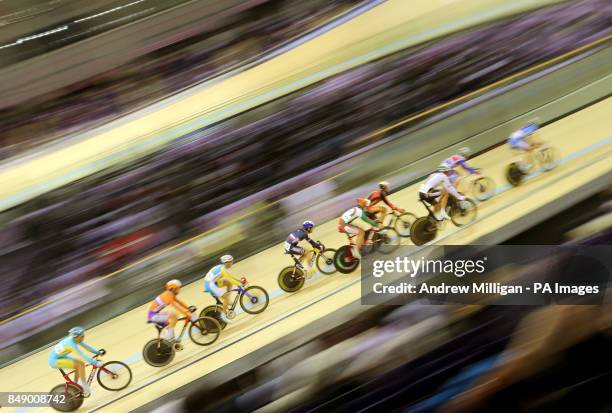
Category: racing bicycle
[479,186]
[253,300]
[385,240]
[545,157]
[292,278]
[426,228]
[402,222]
[160,352]
[112,375]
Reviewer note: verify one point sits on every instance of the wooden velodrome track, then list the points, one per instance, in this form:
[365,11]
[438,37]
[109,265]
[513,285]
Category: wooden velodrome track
[585,142]
[584,159]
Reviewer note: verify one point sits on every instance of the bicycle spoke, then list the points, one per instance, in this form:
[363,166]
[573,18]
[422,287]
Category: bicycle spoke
[114,376]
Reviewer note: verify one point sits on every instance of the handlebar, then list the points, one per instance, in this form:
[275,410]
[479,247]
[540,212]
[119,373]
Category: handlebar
[192,308]
[101,352]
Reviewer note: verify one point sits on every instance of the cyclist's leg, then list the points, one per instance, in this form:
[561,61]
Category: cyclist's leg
[360,239]
[443,200]
[67,362]
[165,319]
[372,212]
[434,198]
[225,297]
[307,256]
[382,214]
[357,233]
[80,370]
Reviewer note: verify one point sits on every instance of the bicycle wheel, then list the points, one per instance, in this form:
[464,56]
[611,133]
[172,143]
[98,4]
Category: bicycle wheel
[514,175]
[387,240]
[213,311]
[158,352]
[403,223]
[483,188]
[114,375]
[325,262]
[343,261]
[291,279]
[204,331]
[548,158]
[66,397]
[463,212]
[423,230]
[254,300]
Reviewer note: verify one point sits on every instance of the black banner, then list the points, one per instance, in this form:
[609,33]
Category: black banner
[500,275]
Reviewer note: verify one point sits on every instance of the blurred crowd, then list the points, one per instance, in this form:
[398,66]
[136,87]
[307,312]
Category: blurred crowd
[102,222]
[248,34]
[426,358]
[34,27]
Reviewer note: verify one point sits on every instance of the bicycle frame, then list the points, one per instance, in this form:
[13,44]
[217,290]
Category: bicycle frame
[394,216]
[298,264]
[68,380]
[180,336]
[369,234]
[241,291]
[92,373]
[428,207]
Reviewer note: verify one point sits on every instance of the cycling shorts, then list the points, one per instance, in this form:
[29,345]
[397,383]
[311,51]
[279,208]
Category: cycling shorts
[347,228]
[64,362]
[212,288]
[430,197]
[293,249]
[158,318]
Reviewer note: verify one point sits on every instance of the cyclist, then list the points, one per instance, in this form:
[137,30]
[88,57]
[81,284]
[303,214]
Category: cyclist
[346,223]
[168,319]
[219,282]
[459,160]
[300,234]
[436,189]
[60,356]
[380,212]
[525,140]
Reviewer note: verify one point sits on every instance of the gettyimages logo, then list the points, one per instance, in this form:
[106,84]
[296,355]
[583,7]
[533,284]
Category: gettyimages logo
[421,266]
[497,274]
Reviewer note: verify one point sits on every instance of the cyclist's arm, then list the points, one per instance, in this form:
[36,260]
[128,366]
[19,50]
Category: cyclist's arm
[89,348]
[386,201]
[312,242]
[76,348]
[226,274]
[465,166]
[181,306]
[184,305]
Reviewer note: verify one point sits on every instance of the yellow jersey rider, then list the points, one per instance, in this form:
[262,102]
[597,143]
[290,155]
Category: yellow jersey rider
[218,282]
[60,357]
[168,319]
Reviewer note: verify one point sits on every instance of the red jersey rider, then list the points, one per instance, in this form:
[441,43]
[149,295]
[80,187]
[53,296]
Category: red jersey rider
[379,212]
